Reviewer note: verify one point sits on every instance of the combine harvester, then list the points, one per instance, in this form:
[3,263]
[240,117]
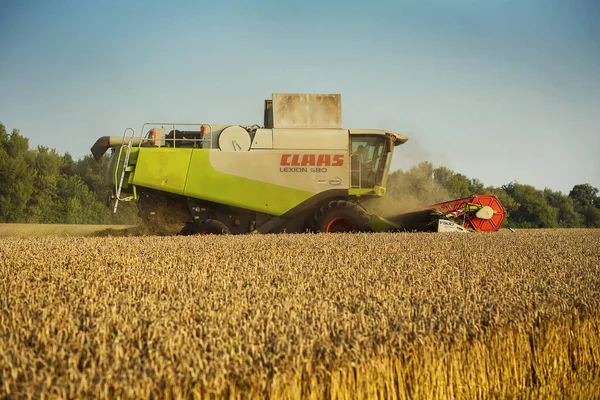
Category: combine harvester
[300,171]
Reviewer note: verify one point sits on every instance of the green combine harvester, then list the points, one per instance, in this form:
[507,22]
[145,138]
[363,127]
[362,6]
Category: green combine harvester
[300,171]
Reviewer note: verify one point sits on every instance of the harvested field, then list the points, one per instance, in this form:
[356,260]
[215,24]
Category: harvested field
[41,230]
[302,316]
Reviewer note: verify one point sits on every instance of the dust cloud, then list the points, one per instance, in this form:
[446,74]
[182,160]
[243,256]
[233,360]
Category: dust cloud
[408,191]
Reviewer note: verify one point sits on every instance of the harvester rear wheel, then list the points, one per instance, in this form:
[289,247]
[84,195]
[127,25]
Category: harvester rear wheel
[342,216]
[210,227]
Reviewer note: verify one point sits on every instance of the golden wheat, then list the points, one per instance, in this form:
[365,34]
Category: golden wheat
[302,316]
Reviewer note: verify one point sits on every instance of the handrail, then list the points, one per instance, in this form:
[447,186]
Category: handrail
[174,126]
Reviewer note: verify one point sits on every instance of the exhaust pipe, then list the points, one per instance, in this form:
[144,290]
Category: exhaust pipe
[107,142]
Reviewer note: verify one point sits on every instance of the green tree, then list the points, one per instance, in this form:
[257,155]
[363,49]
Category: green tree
[533,210]
[75,203]
[476,187]
[46,172]
[591,216]
[93,174]
[585,195]
[16,144]
[587,203]
[567,216]
[68,166]
[16,176]
[456,185]
[3,136]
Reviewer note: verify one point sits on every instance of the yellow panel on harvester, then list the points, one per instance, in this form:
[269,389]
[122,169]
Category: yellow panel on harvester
[208,183]
[162,168]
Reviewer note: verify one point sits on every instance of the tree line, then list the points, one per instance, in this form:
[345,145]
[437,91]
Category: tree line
[42,186]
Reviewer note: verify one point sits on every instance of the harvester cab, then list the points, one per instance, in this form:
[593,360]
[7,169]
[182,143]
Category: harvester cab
[371,155]
[299,171]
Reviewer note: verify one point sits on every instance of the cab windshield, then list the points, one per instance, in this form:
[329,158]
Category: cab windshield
[369,155]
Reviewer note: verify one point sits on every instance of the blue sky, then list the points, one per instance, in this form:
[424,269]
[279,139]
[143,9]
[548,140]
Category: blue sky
[497,90]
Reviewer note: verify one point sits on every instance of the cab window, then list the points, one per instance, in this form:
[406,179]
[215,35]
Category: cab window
[368,154]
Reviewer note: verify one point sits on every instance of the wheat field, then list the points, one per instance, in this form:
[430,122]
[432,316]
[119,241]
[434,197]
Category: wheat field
[342,316]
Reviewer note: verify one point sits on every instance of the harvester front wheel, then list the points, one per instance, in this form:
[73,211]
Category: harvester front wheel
[210,227]
[342,216]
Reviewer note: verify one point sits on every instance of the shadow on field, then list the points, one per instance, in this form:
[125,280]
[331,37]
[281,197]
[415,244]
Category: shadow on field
[111,232]
[140,230]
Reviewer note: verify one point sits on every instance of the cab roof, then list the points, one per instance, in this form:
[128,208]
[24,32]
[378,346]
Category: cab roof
[400,139]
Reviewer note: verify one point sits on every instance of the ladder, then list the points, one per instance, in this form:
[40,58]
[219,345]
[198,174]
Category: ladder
[355,170]
[119,182]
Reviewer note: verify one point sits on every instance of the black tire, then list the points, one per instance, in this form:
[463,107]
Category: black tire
[342,216]
[188,229]
[210,227]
